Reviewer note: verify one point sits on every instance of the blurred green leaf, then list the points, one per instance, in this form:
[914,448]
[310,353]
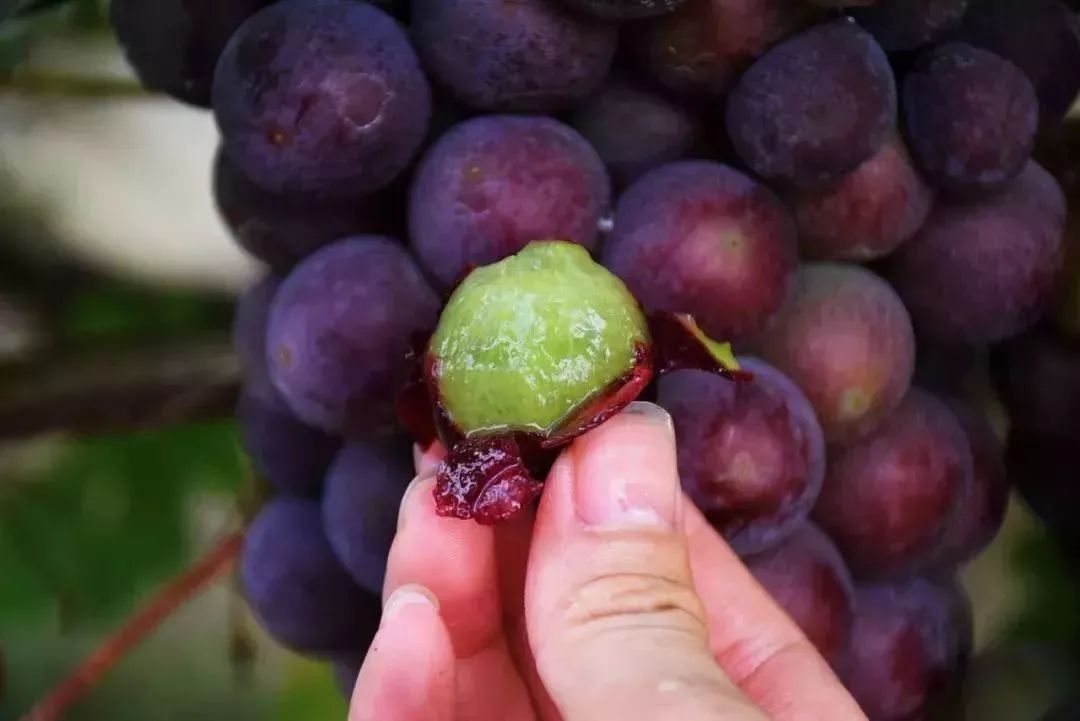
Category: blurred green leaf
[1051,586]
[310,693]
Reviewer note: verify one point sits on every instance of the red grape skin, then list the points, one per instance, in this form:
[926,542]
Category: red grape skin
[494,183]
[888,499]
[751,455]
[847,341]
[986,270]
[807,577]
[702,238]
[866,214]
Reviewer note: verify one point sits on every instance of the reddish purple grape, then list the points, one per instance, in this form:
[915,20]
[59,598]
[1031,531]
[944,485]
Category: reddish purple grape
[814,107]
[807,577]
[340,329]
[321,97]
[902,25]
[1041,37]
[751,455]
[635,130]
[986,270]
[702,238]
[524,56]
[493,184]
[889,498]
[846,340]
[970,117]
[704,46]
[867,213]
[907,641]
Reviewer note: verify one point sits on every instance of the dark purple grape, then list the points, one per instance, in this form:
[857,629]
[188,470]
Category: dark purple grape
[281,230]
[360,506]
[1038,378]
[901,25]
[340,329]
[1043,468]
[867,213]
[702,238]
[292,456]
[625,9]
[807,577]
[985,270]
[751,455]
[907,641]
[493,184]
[814,107]
[346,671]
[704,46]
[970,118]
[174,45]
[249,336]
[943,367]
[526,55]
[846,340]
[321,97]
[889,499]
[1041,37]
[296,586]
[635,130]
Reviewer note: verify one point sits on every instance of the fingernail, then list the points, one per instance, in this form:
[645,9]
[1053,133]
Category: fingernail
[409,595]
[409,491]
[625,472]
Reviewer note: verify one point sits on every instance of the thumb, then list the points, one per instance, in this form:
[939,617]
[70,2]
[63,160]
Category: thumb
[615,625]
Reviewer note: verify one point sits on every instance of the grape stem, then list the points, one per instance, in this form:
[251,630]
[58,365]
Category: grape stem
[144,621]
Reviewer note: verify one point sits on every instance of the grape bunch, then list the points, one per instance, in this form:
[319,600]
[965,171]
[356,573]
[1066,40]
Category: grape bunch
[848,192]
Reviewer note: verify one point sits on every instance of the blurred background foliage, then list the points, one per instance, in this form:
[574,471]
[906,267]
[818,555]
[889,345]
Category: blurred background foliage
[119,464]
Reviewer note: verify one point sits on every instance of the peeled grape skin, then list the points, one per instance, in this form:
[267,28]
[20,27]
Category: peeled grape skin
[364,488]
[296,586]
[888,499]
[751,455]
[493,184]
[282,230]
[625,9]
[866,214]
[174,45]
[985,270]
[701,238]
[634,129]
[902,25]
[340,329]
[703,47]
[807,577]
[524,342]
[815,106]
[322,96]
[970,118]
[524,56]
[847,342]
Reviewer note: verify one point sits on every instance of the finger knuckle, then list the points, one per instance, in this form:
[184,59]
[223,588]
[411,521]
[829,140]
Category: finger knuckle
[631,598]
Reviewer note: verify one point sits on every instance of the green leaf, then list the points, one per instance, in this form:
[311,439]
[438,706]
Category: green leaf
[1051,591]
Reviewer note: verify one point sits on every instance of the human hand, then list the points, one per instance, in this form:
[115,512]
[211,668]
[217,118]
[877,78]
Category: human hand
[614,600]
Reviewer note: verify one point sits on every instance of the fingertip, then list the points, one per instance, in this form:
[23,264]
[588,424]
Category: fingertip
[426,460]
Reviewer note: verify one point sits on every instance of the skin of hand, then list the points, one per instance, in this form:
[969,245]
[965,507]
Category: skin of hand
[613,601]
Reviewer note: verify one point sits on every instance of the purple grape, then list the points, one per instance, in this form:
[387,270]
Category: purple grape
[847,342]
[340,329]
[625,9]
[528,55]
[174,45]
[704,46]
[493,184]
[985,270]
[751,455]
[360,506]
[702,238]
[814,107]
[296,586]
[1038,378]
[901,25]
[867,213]
[635,130]
[321,97]
[971,118]
[249,336]
[292,456]
[281,230]
[1041,37]
[1043,468]
[807,577]
[889,499]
